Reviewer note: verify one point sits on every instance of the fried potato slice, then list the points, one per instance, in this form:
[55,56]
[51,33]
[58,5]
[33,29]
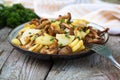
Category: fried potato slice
[64,39]
[74,43]
[78,22]
[27,33]
[55,25]
[29,26]
[33,47]
[16,42]
[38,48]
[77,45]
[81,34]
[45,39]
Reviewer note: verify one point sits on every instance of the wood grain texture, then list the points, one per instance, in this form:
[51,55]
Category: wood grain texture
[22,67]
[5,51]
[4,33]
[92,67]
[5,47]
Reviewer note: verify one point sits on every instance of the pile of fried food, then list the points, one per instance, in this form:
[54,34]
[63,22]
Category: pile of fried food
[58,36]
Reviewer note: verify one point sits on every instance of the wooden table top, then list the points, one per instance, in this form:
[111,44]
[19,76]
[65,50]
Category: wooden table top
[18,66]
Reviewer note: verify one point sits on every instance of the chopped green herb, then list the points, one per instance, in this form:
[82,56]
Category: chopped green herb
[78,38]
[42,27]
[81,30]
[52,21]
[29,32]
[35,37]
[66,35]
[65,32]
[62,20]
[69,22]
[60,45]
[74,26]
[86,22]
[52,39]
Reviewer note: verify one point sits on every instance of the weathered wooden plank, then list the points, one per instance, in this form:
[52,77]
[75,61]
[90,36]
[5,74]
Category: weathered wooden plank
[22,67]
[4,33]
[81,69]
[5,47]
[92,67]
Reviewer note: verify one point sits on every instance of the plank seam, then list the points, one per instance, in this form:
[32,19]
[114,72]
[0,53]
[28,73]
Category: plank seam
[5,61]
[49,70]
[22,68]
[1,51]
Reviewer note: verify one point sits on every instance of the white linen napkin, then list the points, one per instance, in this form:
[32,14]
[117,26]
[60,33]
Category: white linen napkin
[104,14]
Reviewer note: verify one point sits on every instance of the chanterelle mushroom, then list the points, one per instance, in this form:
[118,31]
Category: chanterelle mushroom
[65,50]
[51,49]
[68,16]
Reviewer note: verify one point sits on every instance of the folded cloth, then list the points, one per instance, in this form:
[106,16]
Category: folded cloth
[107,18]
[104,14]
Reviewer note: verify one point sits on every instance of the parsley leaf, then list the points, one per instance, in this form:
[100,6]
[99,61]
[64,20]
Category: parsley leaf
[60,45]
[29,32]
[65,32]
[52,21]
[52,39]
[78,38]
[62,20]
[35,37]
[66,35]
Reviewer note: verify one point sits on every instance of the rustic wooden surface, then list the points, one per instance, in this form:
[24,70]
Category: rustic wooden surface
[17,66]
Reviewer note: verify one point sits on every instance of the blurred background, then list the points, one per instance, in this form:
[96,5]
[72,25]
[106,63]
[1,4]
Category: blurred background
[50,6]
[102,12]
[30,3]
